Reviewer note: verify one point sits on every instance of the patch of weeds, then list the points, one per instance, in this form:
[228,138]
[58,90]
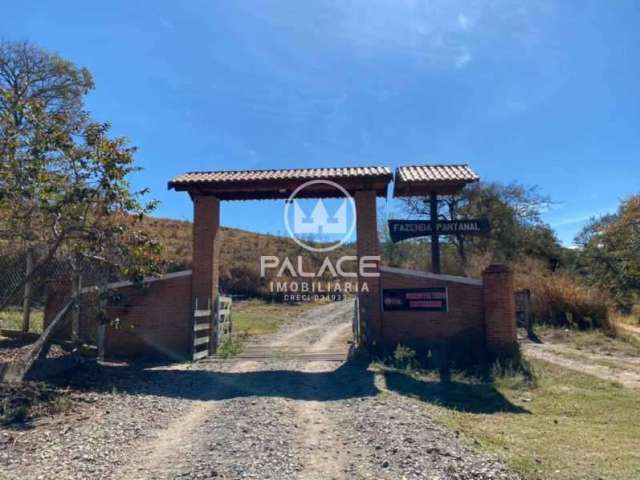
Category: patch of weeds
[405,358]
[63,403]
[257,317]
[11,319]
[20,403]
[13,415]
[514,372]
[280,354]
[230,346]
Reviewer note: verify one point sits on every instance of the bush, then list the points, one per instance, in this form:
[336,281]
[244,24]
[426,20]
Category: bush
[230,346]
[405,358]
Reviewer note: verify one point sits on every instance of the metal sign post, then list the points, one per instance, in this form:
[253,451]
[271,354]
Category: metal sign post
[435,239]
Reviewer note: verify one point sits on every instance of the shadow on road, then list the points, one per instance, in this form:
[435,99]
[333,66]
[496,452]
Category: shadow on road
[347,381]
[351,379]
[462,396]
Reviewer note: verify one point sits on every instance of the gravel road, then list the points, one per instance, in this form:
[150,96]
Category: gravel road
[280,417]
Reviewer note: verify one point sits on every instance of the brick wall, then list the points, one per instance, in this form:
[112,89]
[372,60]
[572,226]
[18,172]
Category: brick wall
[465,318]
[481,313]
[153,321]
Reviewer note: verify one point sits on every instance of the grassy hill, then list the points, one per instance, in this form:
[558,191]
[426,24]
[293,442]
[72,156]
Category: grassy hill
[240,252]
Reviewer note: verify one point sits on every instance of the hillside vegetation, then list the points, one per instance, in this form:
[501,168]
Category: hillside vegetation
[240,253]
[570,287]
[582,287]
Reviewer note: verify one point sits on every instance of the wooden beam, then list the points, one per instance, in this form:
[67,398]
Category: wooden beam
[18,369]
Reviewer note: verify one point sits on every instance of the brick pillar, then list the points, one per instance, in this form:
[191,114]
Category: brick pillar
[499,310]
[367,230]
[206,248]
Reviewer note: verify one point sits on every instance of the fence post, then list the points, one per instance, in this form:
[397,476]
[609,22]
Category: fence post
[101,338]
[75,314]
[528,318]
[213,336]
[26,300]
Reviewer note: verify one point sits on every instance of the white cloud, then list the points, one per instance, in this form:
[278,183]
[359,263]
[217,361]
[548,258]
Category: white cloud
[463,58]
[430,33]
[463,21]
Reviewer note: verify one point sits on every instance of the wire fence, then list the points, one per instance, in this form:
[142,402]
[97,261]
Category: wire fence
[18,293]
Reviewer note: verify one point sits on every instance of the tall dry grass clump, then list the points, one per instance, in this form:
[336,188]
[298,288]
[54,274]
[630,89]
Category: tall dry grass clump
[561,299]
[557,298]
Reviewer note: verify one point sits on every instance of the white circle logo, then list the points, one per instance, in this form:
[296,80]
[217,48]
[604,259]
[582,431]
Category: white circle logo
[320,227]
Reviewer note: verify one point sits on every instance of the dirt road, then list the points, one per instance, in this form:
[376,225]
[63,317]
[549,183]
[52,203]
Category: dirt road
[624,370]
[277,415]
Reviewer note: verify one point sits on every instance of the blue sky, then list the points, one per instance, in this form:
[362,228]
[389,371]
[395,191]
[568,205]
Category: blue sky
[543,92]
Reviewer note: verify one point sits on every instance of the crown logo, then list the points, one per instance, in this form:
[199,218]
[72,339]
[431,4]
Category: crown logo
[320,222]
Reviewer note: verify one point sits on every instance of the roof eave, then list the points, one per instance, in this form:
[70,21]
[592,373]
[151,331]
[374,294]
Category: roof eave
[403,188]
[280,188]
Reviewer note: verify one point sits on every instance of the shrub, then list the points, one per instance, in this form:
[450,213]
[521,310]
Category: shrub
[230,346]
[405,358]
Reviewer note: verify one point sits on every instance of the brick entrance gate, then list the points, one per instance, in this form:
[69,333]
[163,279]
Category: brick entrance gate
[481,309]
[208,189]
[172,316]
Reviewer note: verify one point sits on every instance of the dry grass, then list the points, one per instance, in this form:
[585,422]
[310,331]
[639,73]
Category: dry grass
[561,299]
[23,402]
[577,427]
[240,253]
[11,319]
[632,318]
[558,298]
[592,341]
[243,247]
[256,317]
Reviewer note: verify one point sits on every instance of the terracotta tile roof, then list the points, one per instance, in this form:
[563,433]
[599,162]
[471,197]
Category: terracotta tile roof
[418,180]
[289,174]
[436,173]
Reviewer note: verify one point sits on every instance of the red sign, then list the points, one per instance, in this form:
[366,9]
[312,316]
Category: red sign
[418,299]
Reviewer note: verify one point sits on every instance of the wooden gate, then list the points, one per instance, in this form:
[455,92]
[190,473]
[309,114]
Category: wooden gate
[210,327]
[202,331]
[523,309]
[223,318]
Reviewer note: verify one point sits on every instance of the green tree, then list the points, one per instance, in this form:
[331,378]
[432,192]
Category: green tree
[609,253]
[64,189]
[515,214]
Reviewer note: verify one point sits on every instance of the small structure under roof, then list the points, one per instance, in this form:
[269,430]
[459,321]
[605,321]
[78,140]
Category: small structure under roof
[274,184]
[421,180]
